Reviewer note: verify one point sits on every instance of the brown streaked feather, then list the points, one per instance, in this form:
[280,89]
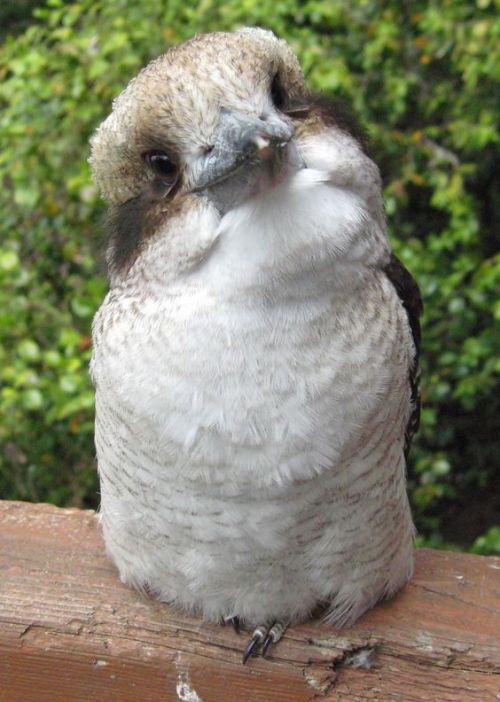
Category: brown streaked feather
[409,294]
[329,111]
[129,224]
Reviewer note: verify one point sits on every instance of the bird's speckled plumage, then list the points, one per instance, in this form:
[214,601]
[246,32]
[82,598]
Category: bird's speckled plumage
[253,360]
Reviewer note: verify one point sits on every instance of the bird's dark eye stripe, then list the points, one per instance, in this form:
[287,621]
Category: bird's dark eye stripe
[162,164]
[278,93]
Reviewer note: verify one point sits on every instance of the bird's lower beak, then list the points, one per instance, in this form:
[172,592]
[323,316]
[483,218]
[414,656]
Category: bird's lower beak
[240,139]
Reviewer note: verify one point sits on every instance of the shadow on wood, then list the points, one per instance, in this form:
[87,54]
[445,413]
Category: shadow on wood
[69,630]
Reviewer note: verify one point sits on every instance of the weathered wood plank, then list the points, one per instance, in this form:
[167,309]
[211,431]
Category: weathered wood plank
[69,630]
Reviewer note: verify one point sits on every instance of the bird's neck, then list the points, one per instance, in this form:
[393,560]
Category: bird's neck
[303,236]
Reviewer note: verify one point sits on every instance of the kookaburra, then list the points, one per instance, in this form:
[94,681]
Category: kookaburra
[255,359]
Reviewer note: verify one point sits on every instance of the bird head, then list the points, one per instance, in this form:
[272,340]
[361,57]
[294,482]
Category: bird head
[217,120]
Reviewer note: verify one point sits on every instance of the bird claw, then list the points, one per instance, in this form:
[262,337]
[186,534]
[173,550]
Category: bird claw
[266,643]
[235,623]
[252,644]
[264,636]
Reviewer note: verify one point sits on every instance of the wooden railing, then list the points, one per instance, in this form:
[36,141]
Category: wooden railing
[69,630]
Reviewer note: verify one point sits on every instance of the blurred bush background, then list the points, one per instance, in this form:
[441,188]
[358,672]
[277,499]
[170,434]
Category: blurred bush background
[423,78]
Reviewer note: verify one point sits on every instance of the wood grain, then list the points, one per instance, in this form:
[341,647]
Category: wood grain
[69,630]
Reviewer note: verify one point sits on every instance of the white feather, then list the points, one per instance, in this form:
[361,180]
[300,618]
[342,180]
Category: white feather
[247,416]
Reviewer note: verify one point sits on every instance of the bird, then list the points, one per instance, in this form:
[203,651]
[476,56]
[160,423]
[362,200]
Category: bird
[255,360]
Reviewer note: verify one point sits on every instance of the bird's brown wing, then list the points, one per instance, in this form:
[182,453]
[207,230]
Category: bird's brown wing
[409,294]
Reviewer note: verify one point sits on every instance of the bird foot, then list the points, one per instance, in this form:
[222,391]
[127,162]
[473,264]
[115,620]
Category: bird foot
[262,637]
[234,621]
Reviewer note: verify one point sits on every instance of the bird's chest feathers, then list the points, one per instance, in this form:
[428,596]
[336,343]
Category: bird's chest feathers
[244,352]
[196,366]
[277,238]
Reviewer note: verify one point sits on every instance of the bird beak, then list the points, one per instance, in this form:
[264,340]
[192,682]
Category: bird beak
[239,139]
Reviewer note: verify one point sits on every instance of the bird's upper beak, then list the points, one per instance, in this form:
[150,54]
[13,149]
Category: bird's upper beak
[240,138]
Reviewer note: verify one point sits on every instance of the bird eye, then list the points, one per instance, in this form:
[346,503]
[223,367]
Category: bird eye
[162,165]
[278,93]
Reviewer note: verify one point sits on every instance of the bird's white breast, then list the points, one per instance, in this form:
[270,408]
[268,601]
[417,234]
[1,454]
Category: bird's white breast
[247,361]
[244,389]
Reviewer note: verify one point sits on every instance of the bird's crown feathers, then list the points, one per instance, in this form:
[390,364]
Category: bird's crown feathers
[174,102]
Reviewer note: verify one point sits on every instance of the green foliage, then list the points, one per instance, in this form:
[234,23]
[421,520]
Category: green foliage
[423,77]
[488,543]
[16,16]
